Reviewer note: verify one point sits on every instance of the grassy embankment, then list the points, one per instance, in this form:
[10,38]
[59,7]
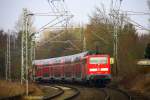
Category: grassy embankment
[8,89]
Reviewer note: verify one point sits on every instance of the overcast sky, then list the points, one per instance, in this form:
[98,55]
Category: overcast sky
[11,10]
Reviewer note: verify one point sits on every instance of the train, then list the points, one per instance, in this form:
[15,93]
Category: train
[82,67]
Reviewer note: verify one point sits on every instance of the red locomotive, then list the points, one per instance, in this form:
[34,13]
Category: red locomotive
[82,67]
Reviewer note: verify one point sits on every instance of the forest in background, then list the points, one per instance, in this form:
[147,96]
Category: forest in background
[98,33]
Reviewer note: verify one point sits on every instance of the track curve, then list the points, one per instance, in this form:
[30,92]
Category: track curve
[69,93]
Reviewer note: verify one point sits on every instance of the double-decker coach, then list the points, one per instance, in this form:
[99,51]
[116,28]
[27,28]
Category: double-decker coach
[83,67]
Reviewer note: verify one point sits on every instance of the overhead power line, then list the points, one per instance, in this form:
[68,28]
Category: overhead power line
[136,24]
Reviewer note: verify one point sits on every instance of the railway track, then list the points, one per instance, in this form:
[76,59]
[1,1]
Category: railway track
[69,93]
[106,96]
[129,97]
[48,95]
[80,92]
[62,93]
[115,94]
[107,93]
[56,92]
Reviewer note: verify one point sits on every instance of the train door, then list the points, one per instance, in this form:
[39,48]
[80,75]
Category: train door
[57,72]
[50,72]
[84,67]
[78,71]
[68,71]
[46,72]
[38,72]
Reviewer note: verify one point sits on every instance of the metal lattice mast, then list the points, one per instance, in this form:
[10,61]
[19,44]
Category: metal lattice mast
[32,55]
[115,39]
[22,57]
[9,57]
[115,35]
[26,51]
[23,48]
[6,65]
[112,17]
[116,22]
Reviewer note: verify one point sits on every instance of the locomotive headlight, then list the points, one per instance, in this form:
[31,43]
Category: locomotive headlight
[93,69]
[104,69]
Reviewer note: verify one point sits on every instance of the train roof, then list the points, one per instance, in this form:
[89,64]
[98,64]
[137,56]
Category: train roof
[64,59]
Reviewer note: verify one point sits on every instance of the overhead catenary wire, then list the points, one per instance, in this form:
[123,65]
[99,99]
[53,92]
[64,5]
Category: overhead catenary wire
[55,23]
[61,16]
[48,23]
[51,5]
[65,15]
[135,12]
[136,24]
[57,13]
[54,8]
[77,48]
[101,38]
[115,4]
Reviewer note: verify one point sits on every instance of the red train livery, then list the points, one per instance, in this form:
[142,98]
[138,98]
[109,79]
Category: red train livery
[82,67]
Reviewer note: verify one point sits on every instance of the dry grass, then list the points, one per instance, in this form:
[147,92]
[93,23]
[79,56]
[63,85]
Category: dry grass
[15,88]
[10,88]
[138,84]
[37,90]
[142,85]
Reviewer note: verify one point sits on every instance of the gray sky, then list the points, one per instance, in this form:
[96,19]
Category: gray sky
[11,10]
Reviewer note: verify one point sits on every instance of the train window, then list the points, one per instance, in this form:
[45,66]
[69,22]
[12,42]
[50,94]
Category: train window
[98,60]
[78,74]
[57,75]
[68,74]
[45,75]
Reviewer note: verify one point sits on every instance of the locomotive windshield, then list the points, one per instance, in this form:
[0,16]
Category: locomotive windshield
[98,60]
